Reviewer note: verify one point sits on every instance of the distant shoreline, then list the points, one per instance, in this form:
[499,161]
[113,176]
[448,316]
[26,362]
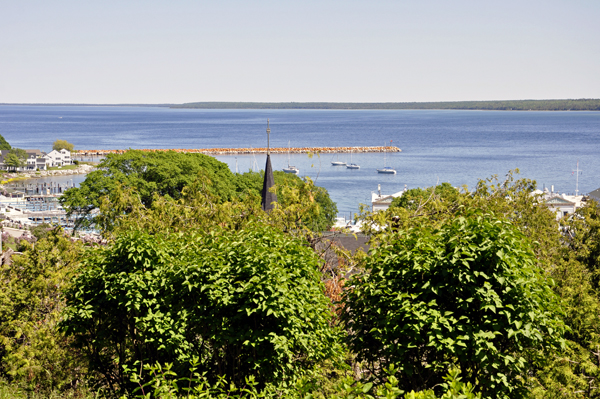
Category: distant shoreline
[509,105]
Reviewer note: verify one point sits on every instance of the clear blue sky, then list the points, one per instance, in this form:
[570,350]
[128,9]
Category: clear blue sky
[324,50]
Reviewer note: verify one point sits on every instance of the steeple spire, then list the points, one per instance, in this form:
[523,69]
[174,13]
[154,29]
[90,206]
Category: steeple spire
[267,196]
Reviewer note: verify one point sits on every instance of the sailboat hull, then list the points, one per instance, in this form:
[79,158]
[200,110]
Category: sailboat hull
[338,163]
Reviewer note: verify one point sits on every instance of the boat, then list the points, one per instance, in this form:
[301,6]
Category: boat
[386,169]
[290,168]
[352,165]
[337,162]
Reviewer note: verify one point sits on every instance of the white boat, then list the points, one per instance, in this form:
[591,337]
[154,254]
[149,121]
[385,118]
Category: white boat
[337,162]
[386,169]
[290,168]
[352,165]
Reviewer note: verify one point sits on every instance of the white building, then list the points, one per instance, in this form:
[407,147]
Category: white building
[381,202]
[35,160]
[561,204]
[58,158]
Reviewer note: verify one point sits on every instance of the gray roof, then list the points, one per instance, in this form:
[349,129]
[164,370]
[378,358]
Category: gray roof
[595,194]
[558,201]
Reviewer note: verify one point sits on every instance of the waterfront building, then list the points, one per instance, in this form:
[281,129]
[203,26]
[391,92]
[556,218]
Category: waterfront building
[381,202]
[58,158]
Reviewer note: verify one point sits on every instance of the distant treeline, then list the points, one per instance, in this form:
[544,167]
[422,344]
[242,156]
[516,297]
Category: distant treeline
[516,105]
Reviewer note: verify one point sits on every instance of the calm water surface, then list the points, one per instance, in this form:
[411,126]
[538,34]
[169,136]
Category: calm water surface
[459,147]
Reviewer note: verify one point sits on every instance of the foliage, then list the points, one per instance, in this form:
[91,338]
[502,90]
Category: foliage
[165,173]
[468,294]
[62,145]
[574,373]
[4,144]
[41,230]
[32,352]
[16,158]
[163,176]
[316,218]
[583,104]
[584,233]
[416,198]
[165,383]
[244,303]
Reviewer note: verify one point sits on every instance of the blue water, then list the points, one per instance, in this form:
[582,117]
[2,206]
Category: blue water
[459,147]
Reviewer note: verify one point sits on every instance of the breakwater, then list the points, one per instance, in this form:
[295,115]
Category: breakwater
[260,150]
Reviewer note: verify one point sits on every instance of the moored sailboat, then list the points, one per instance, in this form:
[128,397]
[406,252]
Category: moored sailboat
[290,168]
[386,169]
[352,165]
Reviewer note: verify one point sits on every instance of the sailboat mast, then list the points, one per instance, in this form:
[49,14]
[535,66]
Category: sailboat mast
[577,179]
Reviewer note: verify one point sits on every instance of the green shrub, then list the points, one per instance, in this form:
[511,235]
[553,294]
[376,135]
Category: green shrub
[469,295]
[33,354]
[246,303]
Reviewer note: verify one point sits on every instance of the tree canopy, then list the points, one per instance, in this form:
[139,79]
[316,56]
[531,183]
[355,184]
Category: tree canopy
[166,174]
[62,145]
[4,144]
[469,294]
[16,158]
[244,303]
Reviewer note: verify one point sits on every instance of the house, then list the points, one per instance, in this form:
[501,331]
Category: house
[35,160]
[561,206]
[381,202]
[58,158]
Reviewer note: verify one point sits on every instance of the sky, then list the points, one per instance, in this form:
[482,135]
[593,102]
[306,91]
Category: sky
[150,52]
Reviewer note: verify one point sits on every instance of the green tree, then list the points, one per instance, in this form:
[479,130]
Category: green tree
[147,173]
[469,294]
[319,218]
[62,145]
[16,158]
[417,198]
[241,303]
[4,144]
[33,354]
[561,252]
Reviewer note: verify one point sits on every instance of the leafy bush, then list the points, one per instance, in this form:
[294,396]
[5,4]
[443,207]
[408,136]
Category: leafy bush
[41,230]
[33,354]
[244,303]
[469,294]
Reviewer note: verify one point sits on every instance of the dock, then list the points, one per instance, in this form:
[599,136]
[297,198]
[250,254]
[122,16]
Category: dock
[259,150]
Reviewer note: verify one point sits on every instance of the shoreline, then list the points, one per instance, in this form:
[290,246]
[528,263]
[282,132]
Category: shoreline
[14,177]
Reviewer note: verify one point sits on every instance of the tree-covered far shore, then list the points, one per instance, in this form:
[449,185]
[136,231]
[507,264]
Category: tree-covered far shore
[580,104]
[583,104]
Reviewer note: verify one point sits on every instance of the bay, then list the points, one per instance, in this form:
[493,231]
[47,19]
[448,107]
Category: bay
[438,146]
